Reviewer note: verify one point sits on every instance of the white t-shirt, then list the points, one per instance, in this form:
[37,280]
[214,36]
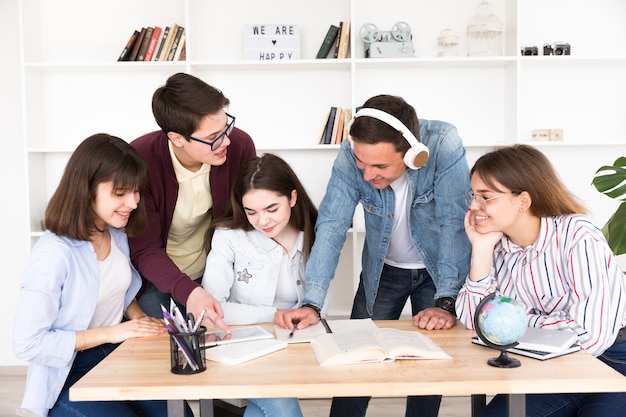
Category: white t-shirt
[191,219]
[402,252]
[115,278]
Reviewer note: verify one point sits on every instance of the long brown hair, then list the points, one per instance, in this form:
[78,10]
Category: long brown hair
[99,158]
[524,168]
[268,172]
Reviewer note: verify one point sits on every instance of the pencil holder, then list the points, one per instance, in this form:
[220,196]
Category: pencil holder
[187,352]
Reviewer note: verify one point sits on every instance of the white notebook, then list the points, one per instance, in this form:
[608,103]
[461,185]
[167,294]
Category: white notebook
[236,353]
[240,334]
[542,344]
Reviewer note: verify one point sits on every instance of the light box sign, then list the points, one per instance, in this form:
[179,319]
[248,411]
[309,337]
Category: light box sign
[265,42]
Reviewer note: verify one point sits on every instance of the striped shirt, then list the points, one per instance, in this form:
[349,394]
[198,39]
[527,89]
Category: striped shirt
[569,279]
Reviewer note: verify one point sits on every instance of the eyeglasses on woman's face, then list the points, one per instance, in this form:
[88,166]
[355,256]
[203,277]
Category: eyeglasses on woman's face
[217,142]
[480,200]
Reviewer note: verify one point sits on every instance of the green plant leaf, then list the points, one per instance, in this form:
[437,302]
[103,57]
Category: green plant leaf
[611,179]
[615,230]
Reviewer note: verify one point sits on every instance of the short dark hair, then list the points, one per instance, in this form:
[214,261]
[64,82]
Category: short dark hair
[181,104]
[524,168]
[99,158]
[370,130]
[268,172]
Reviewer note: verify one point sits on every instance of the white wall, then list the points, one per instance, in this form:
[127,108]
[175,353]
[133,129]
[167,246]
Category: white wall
[15,244]
[576,165]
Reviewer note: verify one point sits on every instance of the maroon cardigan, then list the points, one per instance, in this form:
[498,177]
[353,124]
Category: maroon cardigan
[148,251]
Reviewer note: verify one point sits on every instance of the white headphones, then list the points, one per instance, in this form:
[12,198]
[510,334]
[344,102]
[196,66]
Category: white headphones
[415,157]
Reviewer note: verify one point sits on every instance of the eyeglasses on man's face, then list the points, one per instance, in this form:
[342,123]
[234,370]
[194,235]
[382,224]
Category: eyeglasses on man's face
[217,142]
[470,197]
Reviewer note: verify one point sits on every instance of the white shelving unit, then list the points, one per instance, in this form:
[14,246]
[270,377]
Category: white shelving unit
[73,86]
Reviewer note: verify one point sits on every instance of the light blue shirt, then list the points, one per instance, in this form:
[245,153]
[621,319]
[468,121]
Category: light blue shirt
[58,294]
[242,271]
[435,206]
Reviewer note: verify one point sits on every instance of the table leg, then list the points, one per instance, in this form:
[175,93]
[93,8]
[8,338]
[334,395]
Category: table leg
[175,408]
[479,401]
[206,408]
[516,405]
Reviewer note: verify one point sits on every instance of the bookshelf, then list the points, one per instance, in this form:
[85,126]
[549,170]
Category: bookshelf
[74,87]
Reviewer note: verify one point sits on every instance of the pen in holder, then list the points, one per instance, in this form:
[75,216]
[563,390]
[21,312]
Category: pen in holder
[187,351]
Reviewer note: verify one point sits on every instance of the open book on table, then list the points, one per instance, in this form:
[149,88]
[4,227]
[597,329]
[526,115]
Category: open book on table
[542,344]
[378,345]
[322,327]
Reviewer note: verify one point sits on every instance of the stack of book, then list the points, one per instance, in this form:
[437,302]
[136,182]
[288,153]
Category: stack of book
[336,126]
[155,44]
[336,43]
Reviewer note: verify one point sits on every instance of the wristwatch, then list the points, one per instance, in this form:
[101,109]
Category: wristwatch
[314,308]
[446,303]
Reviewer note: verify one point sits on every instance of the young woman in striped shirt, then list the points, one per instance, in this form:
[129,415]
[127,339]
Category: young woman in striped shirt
[531,241]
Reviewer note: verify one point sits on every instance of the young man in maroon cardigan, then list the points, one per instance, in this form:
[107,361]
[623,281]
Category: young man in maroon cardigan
[193,160]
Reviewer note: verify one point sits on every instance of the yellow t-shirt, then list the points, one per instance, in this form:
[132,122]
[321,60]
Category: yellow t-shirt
[191,219]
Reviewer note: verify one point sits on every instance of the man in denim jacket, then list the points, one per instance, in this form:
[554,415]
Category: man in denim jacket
[415,243]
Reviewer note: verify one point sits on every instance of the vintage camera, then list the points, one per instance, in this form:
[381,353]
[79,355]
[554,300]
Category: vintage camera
[392,44]
[530,50]
[557,48]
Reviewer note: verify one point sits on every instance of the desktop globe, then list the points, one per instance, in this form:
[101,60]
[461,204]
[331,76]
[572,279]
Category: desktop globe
[500,322]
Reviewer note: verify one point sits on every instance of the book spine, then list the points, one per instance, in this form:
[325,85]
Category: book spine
[144,44]
[329,127]
[180,48]
[157,54]
[156,33]
[329,41]
[344,40]
[337,40]
[135,51]
[338,117]
[129,46]
[168,45]
[172,51]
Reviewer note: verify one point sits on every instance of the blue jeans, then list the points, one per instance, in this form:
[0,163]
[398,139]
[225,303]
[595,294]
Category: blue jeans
[610,404]
[395,287]
[273,407]
[85,361]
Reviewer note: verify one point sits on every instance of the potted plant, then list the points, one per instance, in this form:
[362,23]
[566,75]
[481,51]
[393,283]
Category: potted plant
[611,181]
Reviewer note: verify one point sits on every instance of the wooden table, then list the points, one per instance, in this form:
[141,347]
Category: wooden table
[140,370]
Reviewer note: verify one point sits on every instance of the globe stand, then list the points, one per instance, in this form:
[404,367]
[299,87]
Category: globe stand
[504,360]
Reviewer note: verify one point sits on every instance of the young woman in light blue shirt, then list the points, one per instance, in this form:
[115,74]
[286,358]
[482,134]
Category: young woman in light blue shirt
[79,284]
[258,250]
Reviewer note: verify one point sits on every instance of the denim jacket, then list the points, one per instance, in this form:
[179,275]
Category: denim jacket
[437,209]
[242,271]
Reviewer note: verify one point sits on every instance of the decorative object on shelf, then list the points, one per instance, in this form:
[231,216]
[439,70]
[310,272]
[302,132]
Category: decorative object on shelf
[544,135]
[395,43]
[557,48]
[500,322]
[265,42]
[448,43]
[485,32]
[529,50]
[610,180]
